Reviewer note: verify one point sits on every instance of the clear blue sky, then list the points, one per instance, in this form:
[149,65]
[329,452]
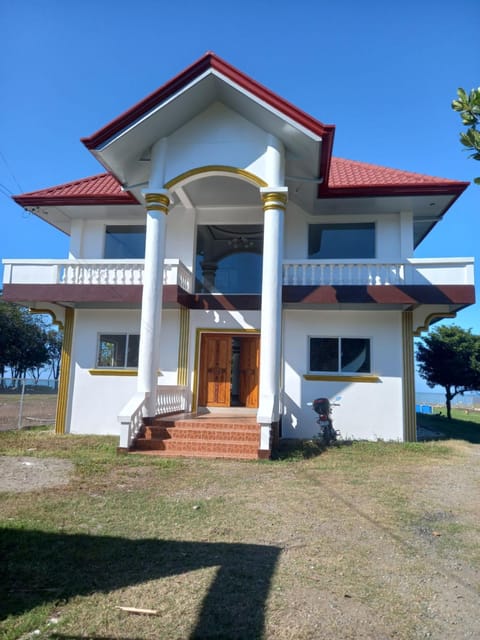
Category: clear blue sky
[383,72]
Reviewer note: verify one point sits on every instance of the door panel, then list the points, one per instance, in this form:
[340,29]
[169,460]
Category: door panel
[249,370]
[215,370]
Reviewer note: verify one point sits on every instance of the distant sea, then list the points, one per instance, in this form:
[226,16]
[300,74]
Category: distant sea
[436,399]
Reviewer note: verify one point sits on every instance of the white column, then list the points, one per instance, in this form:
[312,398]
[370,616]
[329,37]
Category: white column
[151,318]
[274,203]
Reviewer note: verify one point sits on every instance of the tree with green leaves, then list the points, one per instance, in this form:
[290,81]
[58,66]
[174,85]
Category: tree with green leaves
[468,105]
[23,342]
[449,357]
[54,347]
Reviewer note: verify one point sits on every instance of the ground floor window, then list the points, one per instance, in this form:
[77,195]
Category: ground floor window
[118,350]
[339,355]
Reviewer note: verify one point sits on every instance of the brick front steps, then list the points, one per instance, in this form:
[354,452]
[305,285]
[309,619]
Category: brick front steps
[204,436]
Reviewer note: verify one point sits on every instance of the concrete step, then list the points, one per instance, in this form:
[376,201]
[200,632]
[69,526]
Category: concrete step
[199,448]
[190,432]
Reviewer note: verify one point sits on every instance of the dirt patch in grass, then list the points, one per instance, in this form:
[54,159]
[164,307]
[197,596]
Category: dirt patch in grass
[369,541]
[21,474]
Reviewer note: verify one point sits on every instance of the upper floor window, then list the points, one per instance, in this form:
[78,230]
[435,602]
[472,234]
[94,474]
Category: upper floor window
[340,355]
[229,258]
[125,241]
[354,240]
[118,350]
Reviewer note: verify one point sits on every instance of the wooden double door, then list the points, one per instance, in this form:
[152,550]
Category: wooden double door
[229,370]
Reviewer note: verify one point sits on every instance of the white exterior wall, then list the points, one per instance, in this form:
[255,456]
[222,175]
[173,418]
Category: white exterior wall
[217,136]
[95,400]
[368,410]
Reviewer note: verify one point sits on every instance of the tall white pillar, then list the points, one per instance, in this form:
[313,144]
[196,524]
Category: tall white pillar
[274,204]
[151,319]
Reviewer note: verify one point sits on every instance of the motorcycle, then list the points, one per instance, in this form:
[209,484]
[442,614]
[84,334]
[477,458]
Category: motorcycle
[323,407]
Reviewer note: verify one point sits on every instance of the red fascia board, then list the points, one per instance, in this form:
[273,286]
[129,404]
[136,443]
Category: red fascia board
[52,201]
[208,61]
[421,189]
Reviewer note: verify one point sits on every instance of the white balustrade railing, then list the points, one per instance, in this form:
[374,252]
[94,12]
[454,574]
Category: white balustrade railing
[131,420]
[169,399]
[172,399]
[91,272]
[357,272]
[295,272]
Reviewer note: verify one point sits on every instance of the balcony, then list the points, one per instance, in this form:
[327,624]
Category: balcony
[393,285]
[91,272]
[422,271]
[119,282]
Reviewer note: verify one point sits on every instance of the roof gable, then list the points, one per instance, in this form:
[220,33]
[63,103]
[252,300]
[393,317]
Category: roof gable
[123,146]
[209,61]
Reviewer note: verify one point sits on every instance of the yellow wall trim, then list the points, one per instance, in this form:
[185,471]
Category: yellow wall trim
[182,370]
[326,377]
[409,415]
[65,366]
[113,372]
[214,168]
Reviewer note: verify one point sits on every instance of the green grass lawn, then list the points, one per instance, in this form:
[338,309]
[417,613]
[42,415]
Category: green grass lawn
[360,541]
[464,425]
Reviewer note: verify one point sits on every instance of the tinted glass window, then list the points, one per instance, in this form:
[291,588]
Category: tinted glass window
[118,350]
[229,259]
[340,355]
[355,355]
[323,354]
[125,241]
[341,241]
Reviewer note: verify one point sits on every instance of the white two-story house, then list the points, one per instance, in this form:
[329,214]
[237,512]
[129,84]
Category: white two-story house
[226,264]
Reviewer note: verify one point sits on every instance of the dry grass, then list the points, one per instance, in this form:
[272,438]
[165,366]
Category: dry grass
[364,541]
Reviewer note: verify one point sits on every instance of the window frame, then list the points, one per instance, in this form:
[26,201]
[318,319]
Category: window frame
[125,365]
[365,223]
[339,371]
[125,226]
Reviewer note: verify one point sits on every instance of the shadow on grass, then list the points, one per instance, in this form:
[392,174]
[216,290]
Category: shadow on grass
[444,429]
[40,567]
[295,449]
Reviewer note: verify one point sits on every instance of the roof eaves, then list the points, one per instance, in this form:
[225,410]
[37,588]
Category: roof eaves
[51,201]
[206,62]
[379,190]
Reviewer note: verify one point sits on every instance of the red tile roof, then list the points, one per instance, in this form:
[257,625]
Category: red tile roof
[351,173]
[348,178]
[100,189]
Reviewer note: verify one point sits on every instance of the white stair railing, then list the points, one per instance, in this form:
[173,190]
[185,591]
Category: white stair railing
[169,400]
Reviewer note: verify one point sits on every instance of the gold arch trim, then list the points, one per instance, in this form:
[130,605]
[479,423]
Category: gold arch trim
[216,168]
[428,321]
[65,366]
